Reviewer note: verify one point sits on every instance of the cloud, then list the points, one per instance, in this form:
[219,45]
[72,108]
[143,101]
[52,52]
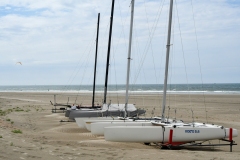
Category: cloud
[61,35]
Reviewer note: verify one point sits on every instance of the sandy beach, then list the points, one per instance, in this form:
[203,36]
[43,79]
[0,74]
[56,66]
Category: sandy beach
[45,137]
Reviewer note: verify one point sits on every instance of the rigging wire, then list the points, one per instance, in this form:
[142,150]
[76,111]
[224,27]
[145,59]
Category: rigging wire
[199,62]
[136,49]
[135,45]
[102,50]
[83,75]
[183,54]
[141,60]
[173,58]
[72,77]
[149,40]
[75,72]
[154,65]
[115,48]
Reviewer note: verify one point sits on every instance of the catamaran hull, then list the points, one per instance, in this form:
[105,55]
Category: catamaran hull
[81,120]
[67,113]
[98,128]
[98,113]
[89,123]
[78,113]
[161,134]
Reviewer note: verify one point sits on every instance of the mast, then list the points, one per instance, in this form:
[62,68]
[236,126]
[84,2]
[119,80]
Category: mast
[167,60]
[108,52]
[94,80]
[129,57]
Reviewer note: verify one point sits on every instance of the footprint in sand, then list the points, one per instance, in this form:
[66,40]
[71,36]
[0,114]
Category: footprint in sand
[22,158]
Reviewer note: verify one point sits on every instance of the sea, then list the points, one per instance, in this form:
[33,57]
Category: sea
[213,88]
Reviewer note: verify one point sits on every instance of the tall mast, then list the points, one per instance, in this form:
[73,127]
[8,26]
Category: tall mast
[94,80]
[129,57]
[108,53]
[167,60]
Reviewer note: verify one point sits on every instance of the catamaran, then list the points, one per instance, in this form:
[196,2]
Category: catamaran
[107,110]
[96,126]
[169,133]
[125,118]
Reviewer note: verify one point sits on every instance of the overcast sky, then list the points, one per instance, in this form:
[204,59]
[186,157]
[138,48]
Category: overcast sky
[55,41]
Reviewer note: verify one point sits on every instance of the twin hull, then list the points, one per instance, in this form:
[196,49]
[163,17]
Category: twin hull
[90,122]
[81,120]
[98,128]
[161,134]
[103,113]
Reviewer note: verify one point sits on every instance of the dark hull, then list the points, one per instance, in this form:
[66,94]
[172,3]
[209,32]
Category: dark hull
[67,113]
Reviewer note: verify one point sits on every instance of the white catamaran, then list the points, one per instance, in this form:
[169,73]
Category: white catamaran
[168,133]
[97,125]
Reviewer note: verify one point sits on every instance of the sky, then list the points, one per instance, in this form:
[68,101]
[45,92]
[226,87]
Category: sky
[55,41]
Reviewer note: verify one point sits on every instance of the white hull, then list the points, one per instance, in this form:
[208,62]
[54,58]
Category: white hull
[81,120]
[98,128]
[158,134]
[89,122]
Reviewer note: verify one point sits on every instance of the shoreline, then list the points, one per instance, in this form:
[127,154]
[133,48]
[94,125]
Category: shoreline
[133,92]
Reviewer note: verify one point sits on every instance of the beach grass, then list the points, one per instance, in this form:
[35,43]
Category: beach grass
[19,110]
[17,131]
[5,112]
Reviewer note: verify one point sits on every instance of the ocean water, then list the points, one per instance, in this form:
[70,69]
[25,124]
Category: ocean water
[226,88]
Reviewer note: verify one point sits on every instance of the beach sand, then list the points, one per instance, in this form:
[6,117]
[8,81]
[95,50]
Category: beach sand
[45,137]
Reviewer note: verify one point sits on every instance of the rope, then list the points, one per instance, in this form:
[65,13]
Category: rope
[83,76]
[189,97]
[199,62]
[122,32]
[149,40]
[72,77]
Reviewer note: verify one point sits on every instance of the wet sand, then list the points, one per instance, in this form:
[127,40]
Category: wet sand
[45,137]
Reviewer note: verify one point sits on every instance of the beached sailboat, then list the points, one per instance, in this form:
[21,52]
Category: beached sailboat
[99,124]
[71,109]
[165,132]
[111,110]
[96,126]
[92,107]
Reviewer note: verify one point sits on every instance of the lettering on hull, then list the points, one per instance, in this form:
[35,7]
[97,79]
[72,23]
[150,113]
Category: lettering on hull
[192,131]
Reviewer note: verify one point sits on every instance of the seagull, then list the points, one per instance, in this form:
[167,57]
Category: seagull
[19,63]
